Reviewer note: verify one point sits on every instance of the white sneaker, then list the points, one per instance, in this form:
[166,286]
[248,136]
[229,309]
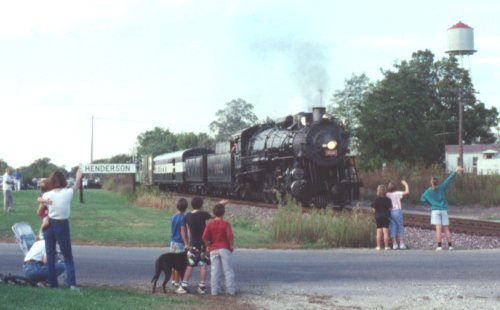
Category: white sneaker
[181,290]
[74,288]
[377,248]
[387,248]
[40,284]
[439,248]
[402,246]
[200,290]
[450,248]
[395,246]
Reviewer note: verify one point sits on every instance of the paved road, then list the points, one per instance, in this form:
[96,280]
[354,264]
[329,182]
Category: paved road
[344,272]
[124,265]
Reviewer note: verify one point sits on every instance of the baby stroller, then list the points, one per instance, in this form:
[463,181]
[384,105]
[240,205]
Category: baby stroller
[25,238]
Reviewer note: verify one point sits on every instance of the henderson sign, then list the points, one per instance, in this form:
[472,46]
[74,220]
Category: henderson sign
[108,168]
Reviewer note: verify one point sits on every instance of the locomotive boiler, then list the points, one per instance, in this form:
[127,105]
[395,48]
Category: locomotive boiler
[304,155]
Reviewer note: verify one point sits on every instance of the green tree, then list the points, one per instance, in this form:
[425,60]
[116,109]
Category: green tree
[120,159]
[237,115]
[345,104]
[204,140]
[155,142]
[454,85]
[3,166]
[412,112]
[186,140]
[40,168]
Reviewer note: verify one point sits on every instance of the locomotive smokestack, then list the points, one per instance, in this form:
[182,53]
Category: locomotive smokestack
[318,113]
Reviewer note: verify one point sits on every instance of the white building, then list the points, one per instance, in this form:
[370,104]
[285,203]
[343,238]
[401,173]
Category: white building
[478,158]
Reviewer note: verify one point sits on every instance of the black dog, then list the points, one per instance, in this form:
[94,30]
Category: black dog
[165,263]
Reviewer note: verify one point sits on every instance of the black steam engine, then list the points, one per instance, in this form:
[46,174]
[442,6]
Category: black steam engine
[305,155]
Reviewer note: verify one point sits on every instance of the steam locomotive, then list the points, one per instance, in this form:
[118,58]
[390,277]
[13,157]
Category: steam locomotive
[303,155]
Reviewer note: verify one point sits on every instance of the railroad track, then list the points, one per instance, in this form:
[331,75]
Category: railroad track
[412,219]
[457,225]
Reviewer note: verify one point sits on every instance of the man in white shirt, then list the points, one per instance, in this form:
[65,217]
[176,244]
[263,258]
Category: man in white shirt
[7,184]
[35,263]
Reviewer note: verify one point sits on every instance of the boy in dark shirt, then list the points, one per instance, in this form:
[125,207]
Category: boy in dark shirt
[196,222]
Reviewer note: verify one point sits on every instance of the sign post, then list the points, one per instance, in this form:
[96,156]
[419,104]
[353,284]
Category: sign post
[108,169]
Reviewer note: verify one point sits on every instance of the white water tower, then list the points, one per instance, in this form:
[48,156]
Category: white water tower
[460,43]
[460,40]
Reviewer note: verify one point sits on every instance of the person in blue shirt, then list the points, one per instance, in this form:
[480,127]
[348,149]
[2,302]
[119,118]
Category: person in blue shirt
[18,176]
[178,234]
[435,196]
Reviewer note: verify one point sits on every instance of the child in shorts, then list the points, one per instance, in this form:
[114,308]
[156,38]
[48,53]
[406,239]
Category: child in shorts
[382,209]
[178,232]
[435,195]
[196,223]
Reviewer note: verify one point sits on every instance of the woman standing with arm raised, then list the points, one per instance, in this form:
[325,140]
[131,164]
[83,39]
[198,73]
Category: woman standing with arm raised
[58,201]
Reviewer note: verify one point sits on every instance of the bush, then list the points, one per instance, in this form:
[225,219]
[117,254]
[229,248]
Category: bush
[322,227]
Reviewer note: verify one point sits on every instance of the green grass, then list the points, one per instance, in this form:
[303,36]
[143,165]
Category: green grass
[18,297]
[107,218]
[103,218]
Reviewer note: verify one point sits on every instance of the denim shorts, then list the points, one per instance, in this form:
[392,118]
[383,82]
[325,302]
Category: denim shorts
[439,217]
[396,226]
[177,247]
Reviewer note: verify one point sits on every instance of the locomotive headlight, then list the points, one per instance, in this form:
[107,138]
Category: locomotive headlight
[303,121]
[331,145]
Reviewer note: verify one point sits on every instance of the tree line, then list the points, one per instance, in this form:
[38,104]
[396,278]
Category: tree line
[412,112]
[409,115]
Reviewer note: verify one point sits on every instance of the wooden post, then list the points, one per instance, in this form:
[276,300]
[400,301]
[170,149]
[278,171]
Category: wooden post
[81,190]
[133,182]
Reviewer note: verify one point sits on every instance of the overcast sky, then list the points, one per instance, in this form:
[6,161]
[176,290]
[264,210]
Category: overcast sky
[134,65]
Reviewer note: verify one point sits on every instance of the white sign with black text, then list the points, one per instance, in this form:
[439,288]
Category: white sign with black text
[108,168]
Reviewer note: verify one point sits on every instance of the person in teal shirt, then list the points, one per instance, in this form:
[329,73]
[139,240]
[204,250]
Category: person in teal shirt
[435,195]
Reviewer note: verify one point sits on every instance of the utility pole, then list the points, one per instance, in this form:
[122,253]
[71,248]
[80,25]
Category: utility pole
[92,142]
[460,121]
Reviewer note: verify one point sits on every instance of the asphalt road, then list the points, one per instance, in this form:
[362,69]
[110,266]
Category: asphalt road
[339,272]
[132,266]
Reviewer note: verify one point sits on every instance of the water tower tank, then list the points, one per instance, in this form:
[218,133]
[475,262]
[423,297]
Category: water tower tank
[460,40]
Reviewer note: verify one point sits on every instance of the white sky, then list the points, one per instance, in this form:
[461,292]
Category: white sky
[135,64]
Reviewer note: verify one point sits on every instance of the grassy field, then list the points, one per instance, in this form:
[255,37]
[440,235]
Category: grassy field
[107,218]
[18,297]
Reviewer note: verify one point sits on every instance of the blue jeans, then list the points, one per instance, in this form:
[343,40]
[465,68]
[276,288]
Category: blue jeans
[58,232]
[396,226]
[39,271]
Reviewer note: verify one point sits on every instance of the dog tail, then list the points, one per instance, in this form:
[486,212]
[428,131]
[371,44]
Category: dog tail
[157,271]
